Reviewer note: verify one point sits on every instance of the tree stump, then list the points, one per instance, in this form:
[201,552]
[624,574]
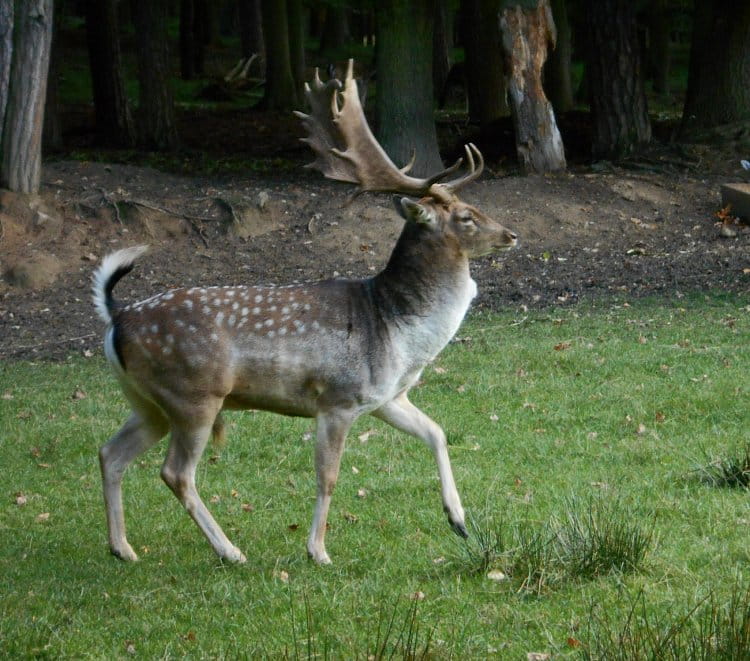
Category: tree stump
[525,35]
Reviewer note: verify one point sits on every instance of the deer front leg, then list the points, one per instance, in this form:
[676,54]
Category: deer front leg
[331,434]
[403,415]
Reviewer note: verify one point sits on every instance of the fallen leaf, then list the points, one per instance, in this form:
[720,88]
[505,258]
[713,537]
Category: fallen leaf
[214,499]
[190,635]
[361,493]
[24,415]
[293,526]
[21,499]
[247,507]
[129,648]
[234,493]
[43,465]
[282,575]
[537,656]
[417,596]
[307,436]
[641,429]
[496,575]
[41,518]
[365,436]
[438,561]
[572,642]
[494,417]
[351,518]
[440,370]
[461,389]
[562,346]
[7,395]
[88,353]
[355,470]
[642,340]
[78,394]
[660,417]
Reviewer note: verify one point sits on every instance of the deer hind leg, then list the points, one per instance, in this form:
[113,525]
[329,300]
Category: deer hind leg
[331,434]
[143,429]
[186,446]
[403,415]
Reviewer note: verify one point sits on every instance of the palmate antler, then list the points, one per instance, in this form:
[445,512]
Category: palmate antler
[346,149]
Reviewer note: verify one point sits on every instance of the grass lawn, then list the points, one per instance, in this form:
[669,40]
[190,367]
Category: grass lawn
[583,441]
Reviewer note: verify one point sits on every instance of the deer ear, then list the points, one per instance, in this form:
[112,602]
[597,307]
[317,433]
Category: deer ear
[414,211]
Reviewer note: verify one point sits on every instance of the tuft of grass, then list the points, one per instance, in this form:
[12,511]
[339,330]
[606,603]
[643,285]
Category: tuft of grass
[731,471]
[601,536]
[595,538]
[708,631]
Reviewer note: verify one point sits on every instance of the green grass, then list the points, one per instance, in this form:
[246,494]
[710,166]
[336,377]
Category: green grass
[577,439]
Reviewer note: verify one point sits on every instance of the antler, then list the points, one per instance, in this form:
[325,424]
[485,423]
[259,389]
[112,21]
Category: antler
[346,149]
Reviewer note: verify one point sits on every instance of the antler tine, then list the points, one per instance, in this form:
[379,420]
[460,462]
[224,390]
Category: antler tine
[474,169]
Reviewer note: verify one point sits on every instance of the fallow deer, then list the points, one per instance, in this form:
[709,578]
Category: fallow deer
[333,350]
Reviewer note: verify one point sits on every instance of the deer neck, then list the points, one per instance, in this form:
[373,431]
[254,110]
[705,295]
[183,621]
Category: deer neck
[425,278]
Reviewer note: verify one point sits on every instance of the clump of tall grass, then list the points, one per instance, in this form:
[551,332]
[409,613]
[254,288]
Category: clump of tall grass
[592,539]
[708,631]
[731,471]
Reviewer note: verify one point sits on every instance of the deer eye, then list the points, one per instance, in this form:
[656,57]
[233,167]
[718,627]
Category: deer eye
[466,219]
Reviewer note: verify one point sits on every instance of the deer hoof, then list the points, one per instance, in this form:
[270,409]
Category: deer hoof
[234,556]
[459,529]
[319,558]
[125,553]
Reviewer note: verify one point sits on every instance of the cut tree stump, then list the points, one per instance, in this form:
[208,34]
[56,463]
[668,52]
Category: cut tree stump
[738,196]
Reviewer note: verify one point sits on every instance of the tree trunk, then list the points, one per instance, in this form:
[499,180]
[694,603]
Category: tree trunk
[659,26]
[719,75]
[404,105]
[486,85]
[441,46]
[22,132]
[156,105]
[557,81]
[615,77]
[251,30]
[113,122]
[281,92]
[526,33]
[6,55]
[295,17]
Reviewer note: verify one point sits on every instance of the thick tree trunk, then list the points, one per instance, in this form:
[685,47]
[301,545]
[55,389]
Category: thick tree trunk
[404,107]
[6,55]
[719,75]
[22,131]
[486,84]
[281,92]
[557,81]
[615,77]
[251,30]
[114,122]
[156,119]
[526,33]
[295,18]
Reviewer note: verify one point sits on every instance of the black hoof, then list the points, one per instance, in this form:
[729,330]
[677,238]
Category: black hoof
[459,529]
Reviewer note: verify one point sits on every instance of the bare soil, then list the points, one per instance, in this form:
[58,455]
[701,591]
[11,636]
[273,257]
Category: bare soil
[623,232]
